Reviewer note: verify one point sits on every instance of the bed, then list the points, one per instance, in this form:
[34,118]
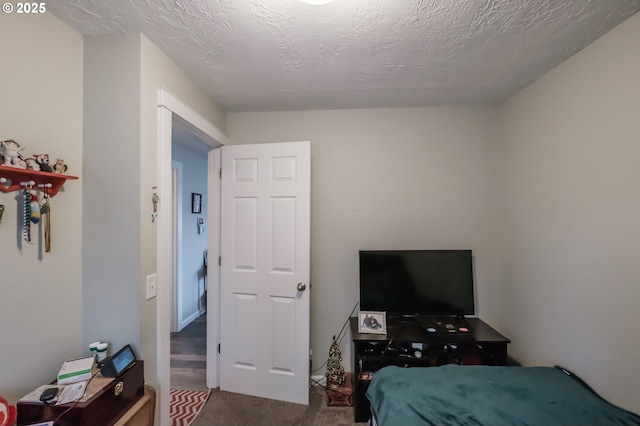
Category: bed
[488,395]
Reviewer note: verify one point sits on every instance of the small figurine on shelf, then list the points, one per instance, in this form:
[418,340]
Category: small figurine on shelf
[43,162]
[10,153]
[60,167]
[32,164]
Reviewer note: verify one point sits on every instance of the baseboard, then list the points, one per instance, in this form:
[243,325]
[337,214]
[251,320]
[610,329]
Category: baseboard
[185,322]
[319,380]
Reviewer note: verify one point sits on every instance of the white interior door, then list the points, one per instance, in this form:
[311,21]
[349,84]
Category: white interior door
[264,285]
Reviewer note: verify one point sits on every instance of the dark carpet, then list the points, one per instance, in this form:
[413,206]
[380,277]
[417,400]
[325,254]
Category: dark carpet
[231,409]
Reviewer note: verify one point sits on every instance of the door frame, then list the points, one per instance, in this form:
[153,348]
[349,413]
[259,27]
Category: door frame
[168,106]
[176,249]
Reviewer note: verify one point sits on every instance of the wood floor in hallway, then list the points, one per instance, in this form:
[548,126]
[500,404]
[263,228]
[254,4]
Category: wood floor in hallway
[189,356]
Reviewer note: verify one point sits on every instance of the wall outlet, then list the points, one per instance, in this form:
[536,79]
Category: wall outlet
[152,286]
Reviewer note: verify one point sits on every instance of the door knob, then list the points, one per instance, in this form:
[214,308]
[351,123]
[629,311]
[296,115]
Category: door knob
[302,286]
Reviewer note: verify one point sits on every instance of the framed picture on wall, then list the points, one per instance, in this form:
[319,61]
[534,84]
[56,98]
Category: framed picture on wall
[196,203]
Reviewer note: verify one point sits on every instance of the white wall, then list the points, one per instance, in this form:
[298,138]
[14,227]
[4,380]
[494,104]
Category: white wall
[387,179]
[122,77]
[193,246]
[157,70]
[111,241]
[41,293]
[570,208]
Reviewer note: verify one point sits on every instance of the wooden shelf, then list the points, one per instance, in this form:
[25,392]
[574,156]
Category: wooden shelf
[15,176]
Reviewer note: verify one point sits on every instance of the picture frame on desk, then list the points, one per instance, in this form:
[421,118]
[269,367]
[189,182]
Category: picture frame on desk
[372,322]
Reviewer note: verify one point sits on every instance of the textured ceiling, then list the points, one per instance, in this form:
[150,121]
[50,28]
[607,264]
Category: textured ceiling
[259,55]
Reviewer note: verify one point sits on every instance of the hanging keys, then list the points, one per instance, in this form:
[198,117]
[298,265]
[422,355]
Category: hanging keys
[154,199]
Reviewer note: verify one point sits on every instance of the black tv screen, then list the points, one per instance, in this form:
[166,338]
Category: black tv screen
[417,282]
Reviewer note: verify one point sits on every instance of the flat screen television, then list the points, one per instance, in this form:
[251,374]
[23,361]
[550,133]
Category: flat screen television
[417,282]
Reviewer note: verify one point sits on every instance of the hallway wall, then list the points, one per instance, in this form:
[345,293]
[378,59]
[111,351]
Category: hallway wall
[193,243]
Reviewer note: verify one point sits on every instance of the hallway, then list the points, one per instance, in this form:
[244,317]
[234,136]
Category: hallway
[189,356]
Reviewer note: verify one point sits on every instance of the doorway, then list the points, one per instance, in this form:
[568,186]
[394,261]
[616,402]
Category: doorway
[189,162]
[174,114]
[281,173]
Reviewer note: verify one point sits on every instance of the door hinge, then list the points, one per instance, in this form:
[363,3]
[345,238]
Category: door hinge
[218,347]
[219,260]
[220,173]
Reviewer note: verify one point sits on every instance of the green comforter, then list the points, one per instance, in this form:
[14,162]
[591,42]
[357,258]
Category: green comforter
[491,396]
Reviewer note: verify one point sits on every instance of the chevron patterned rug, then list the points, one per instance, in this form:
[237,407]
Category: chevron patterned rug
[185,405]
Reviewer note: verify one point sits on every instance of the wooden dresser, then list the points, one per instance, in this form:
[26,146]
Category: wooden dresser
[121,401]
[143,412]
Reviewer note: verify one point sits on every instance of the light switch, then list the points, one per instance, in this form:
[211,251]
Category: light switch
[152,287]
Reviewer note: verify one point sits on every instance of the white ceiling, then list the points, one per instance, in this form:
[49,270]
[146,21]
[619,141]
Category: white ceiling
[260,55]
